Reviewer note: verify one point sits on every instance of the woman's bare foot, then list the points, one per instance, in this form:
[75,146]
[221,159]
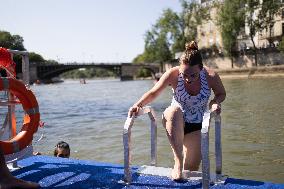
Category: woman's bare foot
[11,182]
[177,172]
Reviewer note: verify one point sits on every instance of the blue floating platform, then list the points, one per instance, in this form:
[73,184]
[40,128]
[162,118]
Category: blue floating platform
[51,172]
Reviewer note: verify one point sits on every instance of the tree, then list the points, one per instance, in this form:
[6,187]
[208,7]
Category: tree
[260,16]
[269,9]
[9,41]
[16,42]
[88,73]
[157,47]
[34,57]
[193,14]
[281,46]
[170,33]
[230,20]
[51,62]
[159,39]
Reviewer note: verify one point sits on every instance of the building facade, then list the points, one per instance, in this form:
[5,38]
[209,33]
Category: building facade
[208,33]
[272,35]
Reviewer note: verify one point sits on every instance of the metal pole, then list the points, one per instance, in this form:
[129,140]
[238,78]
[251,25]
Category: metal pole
[127,157]
[127,141]
[153,139]
[25,69]
[127,148]
[205,160]
[218,147]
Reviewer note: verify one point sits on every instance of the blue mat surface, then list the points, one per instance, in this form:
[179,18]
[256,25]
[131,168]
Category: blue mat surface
[51,172]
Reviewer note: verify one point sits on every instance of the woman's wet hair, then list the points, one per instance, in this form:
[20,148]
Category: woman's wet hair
[191,56]
[61,145]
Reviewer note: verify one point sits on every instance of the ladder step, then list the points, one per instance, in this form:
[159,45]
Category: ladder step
[190,175]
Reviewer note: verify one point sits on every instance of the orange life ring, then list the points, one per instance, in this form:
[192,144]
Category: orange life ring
[31,118]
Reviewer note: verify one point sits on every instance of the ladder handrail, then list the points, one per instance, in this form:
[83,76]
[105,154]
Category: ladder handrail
[127,140]
[206,124]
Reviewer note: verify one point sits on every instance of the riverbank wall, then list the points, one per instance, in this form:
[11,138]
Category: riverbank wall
[270,64]
[253,72]
[245,61]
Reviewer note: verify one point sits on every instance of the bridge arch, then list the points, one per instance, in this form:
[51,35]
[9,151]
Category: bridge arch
[47,72]
[126,71]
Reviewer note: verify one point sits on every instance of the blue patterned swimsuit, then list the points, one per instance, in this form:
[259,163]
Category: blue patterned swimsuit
[193,107]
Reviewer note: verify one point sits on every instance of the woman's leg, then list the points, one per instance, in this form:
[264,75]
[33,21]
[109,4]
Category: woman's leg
[174,125]
[7,181]
[192,151]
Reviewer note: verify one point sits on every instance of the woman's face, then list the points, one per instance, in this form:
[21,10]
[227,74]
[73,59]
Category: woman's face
[190,73]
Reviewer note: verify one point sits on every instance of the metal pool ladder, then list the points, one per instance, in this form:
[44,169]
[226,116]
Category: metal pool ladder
[205,149]
[206,180]
[127,140]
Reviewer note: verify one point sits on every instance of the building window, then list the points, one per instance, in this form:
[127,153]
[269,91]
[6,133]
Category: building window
[282,29]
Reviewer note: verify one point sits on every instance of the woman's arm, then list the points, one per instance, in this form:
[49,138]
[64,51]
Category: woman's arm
[219,92]
[149,96]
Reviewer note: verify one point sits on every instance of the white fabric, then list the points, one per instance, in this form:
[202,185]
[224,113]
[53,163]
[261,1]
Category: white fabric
[193,107]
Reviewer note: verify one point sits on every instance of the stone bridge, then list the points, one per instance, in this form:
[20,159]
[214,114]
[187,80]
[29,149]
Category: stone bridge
[126,71]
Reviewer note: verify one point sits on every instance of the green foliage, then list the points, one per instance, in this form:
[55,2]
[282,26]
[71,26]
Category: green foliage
[168,35]
[157,48]
[281,46]
[34,57]
[9,41]
[51,62]
[230,20]
[143,73]
[269,9]
[158,39]
[252,21]
[193,14]
[76,74]
[139,58]
[16,42]
[264,19]
[88,73]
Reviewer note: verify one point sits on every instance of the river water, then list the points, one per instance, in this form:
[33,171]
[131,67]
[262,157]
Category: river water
[90,117]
